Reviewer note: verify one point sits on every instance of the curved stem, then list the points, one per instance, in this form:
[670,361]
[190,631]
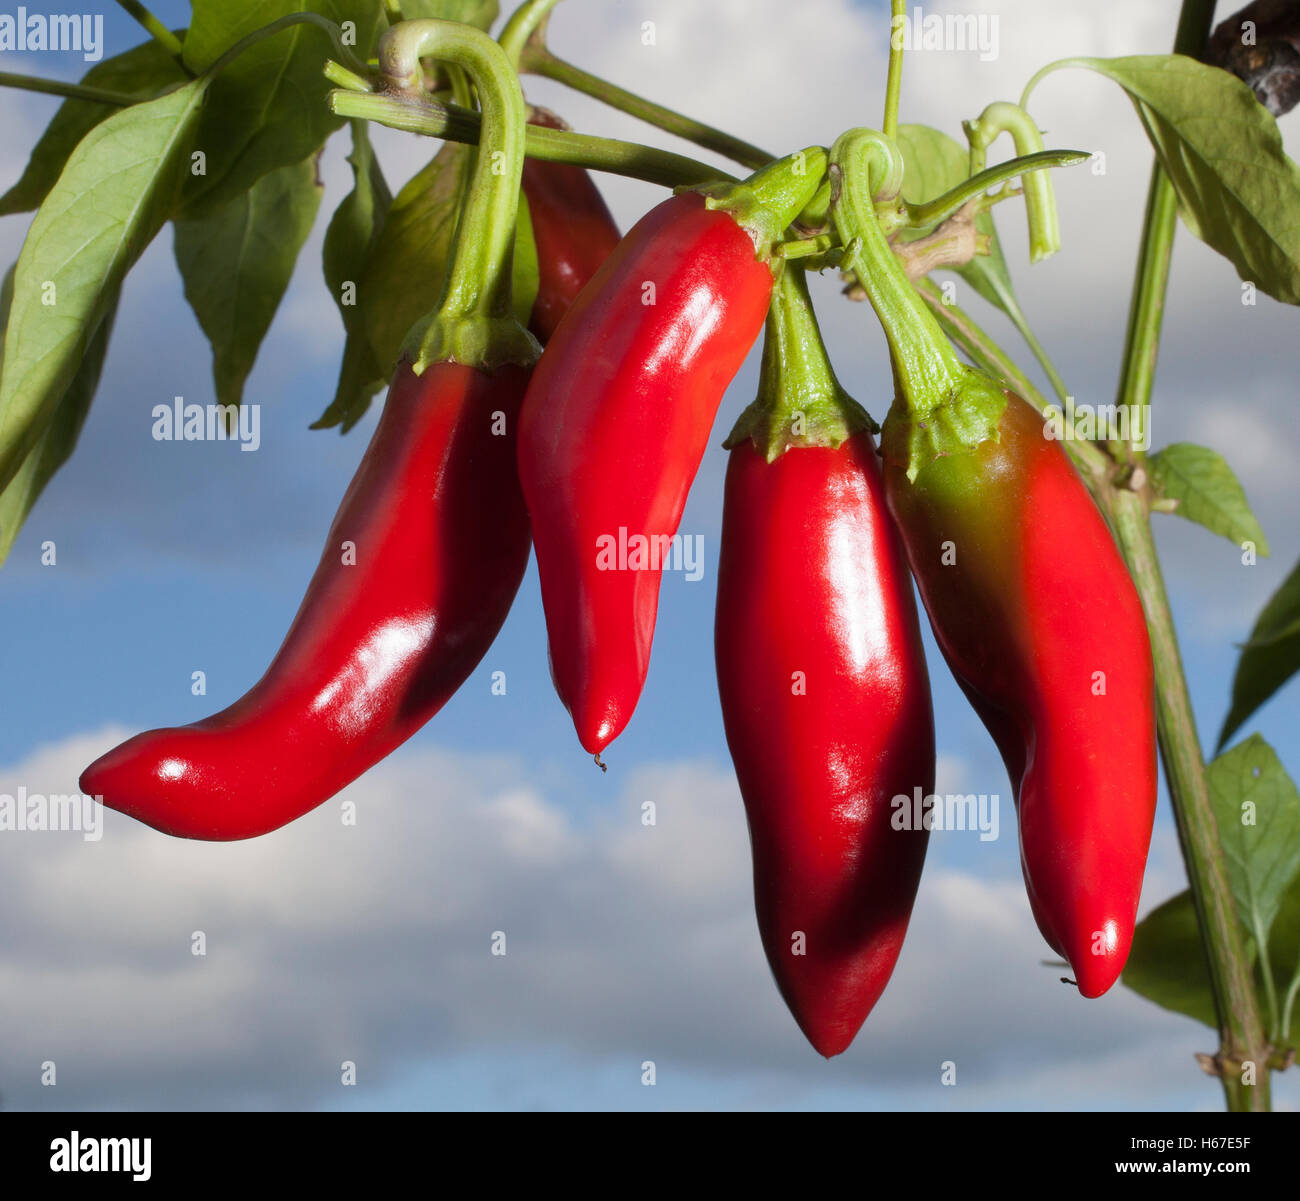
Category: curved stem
[1040,202]
[630,159]
[871,167]
[527,20]
[70,91]
[324,24]
[474,321]
[539,61]
[894,81]
[157,30]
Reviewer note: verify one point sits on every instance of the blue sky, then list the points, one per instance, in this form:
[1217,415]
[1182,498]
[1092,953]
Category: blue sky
[626,945]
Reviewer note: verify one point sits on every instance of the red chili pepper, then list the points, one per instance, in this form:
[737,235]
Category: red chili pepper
[825,694]
[1038,618]
[572,227]
[615,424]
[440,539]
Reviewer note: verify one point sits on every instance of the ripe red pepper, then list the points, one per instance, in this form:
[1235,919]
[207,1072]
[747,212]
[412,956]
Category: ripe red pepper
[1039,620]
[825,694]
[441,543]
[572,227]
[616,421]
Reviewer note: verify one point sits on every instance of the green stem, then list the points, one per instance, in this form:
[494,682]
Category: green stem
[539,61]
[526,22]
[341,77]
[70,91]
[157,30]
[1091,460]
[1288,1008]
[894,81]
[1241,1031]
[870,167]
[428,117]
[474,322]
[1040,202]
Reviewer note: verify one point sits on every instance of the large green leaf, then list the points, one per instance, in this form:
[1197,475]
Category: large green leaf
[1207,492]
[1257,810]
[119,187]
[268,107]
[237,260]
[1167,961]
[1237,189]
[60,437]
[479,13]
[935,164]
[141,72]
[349,241]
[1270,658]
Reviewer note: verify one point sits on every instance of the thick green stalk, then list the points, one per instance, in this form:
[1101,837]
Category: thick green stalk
[425,116]
[1241,1031]
[474,322]
[70,91]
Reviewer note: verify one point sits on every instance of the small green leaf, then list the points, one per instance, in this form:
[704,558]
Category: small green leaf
[119,187]
[1167,961]
[935,164]
[237,260]
[403,276]
[141,72]
[1270,658]
[268,107]
[1237,189]
[349,241]
[479,13]
[58,441]
[1284,957]
[1207,492]
[1257,810]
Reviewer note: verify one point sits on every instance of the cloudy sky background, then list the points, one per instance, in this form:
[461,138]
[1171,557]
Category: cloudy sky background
[626,943]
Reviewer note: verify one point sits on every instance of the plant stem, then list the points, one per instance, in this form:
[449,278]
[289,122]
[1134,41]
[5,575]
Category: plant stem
[428,117]
[894,81]
[540,61]
[527,23]
[157,30]
[70,91]
[1241,1031]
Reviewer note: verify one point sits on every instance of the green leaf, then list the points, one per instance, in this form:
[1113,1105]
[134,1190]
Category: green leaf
[237,260]
[119,187]
[56,444]
[268,107]
[479,13]
[349,241]
[1270,658]
[935,164]
[1257,810]
[1167,961]
[403,276]
[1237,189]
[1284,954]
[1207,492]
[141,72]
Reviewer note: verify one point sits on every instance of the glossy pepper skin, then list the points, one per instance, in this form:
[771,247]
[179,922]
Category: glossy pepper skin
[441,543]
[826,703]
[614,426]
[573,228]
[1038,618]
